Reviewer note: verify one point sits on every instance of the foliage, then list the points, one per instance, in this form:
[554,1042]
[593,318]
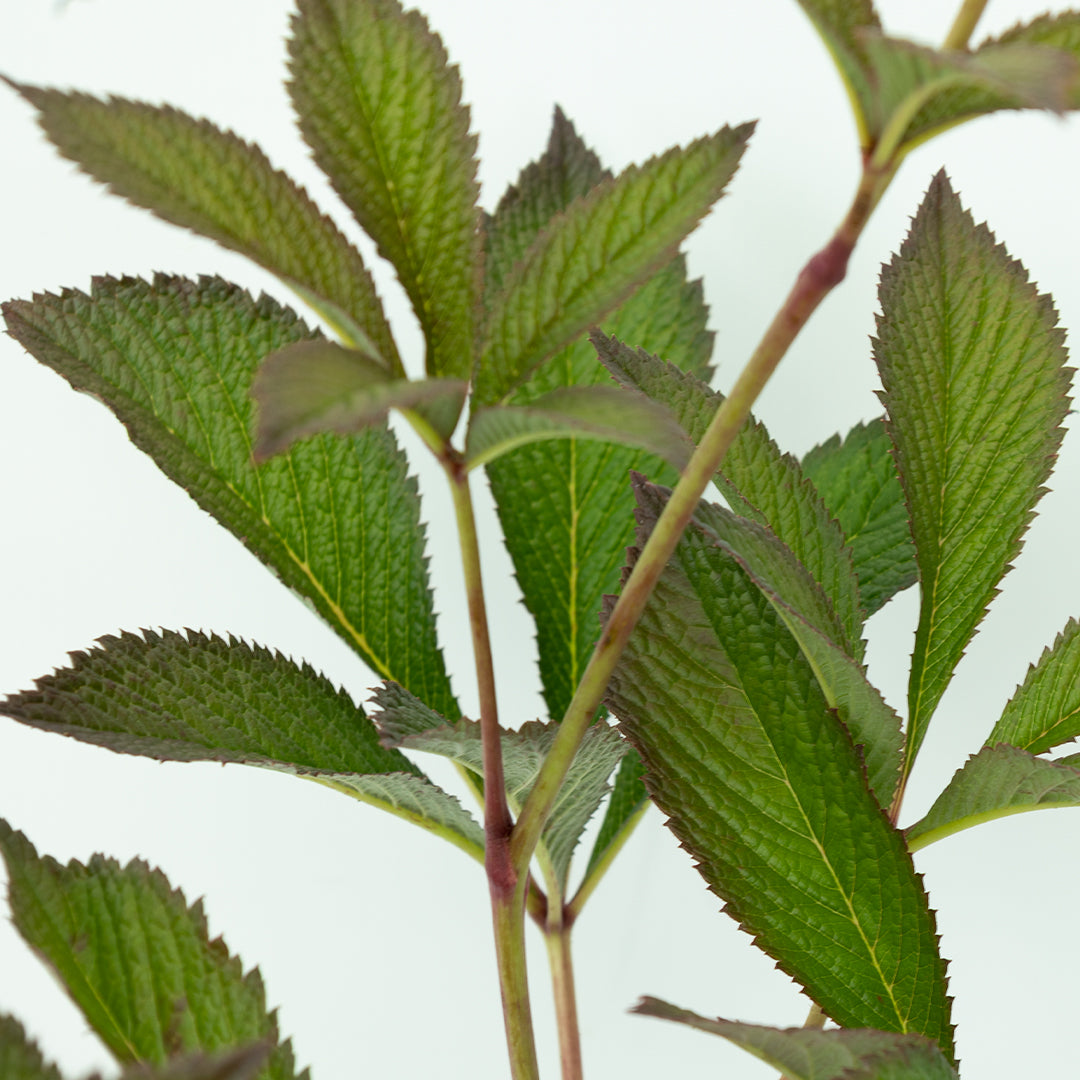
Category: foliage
[707,657]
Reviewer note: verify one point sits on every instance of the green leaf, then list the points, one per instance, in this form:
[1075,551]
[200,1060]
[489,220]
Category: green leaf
[337,519]
[594,255]
[20,1058]
[381,109]
[193,174]
[317,386]
[1045,711]
[1059,31]
[972,365]
[628,799]
[809,1054]
[523,753]
[137,961]
[765,789]
[606,413]
[757,480]
[856,478]
[842,24]
[566,170]
[808,616]
[920,92]
[244,1063]
[996,782]
[202,698]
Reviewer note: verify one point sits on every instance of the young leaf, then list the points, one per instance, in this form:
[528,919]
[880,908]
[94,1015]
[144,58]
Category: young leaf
[337,519]
[842,24]
[566,170]
[920,92]
[316,386]
[193,174]
[995,782]
[202,698]
[1045,711]
[765,789]
[972,365]
[523,754]
[20,1058]
[137,961]
[808,616]
[606,413]
[757,479]
[856,478]
[809,1054]
[381,109]
[594,255]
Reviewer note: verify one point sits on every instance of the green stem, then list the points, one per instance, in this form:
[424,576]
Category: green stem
[964,24]
[592,879]
[820,275]
[557,939]
[506,885]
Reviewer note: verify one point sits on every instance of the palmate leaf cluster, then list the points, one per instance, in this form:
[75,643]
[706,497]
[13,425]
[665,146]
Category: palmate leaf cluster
[565,351]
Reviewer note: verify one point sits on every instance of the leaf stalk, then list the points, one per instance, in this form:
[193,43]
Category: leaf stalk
[964,24]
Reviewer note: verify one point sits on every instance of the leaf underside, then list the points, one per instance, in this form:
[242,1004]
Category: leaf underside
[338,519]
[137,960]
[808,1054]
[764,787]
[972,365]
[857,481]
[380,107]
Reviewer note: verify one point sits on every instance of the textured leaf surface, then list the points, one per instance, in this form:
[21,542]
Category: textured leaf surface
[20,1058]
[381,109]
[857,481]
[316,386]
[337,519]
[995,782]
[240,1064]
[972,365]
[935,89]
[628,798]
[764,787]
[808,616]
[842,24]
[136,959]
[757,479]
[1060,31]
[203,698]
[606,413]
[523,755]
[594,255]
[808,1054]
[566,170]
[193,174]
[1045,711]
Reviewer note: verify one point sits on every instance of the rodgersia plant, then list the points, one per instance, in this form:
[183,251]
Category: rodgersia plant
[566,354]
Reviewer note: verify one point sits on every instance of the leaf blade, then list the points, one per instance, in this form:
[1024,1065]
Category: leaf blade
[972,367]
[381,109]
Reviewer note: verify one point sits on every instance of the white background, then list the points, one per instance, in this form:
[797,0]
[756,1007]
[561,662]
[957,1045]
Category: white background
[372,935]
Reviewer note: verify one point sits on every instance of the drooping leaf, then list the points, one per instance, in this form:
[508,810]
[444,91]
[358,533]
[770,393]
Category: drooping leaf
[809,1054]
[996,782]
[337,519]
[919,92]
[20,1058]
[137,960]
[841,24]
[380,107]
[316,386]
[857,481]
[590,258]
[764,787]
[805,611]
[193,174]
[756,478]
[605,413]
[972,365]
[566,170]
[523,754]
[203,698]
[1045,711]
